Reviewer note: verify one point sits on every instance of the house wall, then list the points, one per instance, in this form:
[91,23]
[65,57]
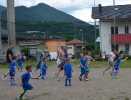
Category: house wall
[71,49]
[53,45]
[105,34]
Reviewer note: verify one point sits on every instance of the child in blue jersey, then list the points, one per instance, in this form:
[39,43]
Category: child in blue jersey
[12,70]
[82,66]
[44,68]
[116,66]
[68,72]
[38,66]
[24,81]
[19,62]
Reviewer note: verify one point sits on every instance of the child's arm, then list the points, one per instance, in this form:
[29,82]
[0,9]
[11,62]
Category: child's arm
[34,78]
[125,59]
[93,60]
[21,82]
[81,65]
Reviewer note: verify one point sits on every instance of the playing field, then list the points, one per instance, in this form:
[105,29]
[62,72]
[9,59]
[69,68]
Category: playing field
[98,87]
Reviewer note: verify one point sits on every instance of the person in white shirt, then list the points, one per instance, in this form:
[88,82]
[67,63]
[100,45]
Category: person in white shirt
[110,60]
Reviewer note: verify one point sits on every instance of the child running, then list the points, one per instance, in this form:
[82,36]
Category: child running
[82,66]
[68,72]
[19,62]
[110,61]
[12,70]
[38,66]
[88,58]
[24,81]
[116,66]
[44,68]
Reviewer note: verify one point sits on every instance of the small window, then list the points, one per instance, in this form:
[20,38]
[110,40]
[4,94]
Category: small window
[127,47]
[117,47]
[69,47]
[126,29]
[112,30]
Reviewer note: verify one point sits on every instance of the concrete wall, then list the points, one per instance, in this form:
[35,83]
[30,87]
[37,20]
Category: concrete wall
[5,47]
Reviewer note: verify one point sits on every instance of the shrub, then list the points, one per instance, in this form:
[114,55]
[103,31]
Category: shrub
[25,50]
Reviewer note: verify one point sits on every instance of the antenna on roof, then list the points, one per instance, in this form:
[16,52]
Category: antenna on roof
[100,8]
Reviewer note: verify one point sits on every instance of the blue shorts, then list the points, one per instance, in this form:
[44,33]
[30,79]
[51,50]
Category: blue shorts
[38,67]
[27,86]
[12,74]
[116,67]
[43,72]
[61,65]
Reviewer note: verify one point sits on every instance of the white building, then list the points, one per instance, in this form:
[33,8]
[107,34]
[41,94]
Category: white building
[123,27]
[74,45]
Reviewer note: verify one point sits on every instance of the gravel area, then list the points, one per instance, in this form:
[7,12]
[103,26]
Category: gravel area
[99,87]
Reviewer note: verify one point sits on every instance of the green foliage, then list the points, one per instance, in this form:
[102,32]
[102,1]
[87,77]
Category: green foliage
[69,38]
[26,50]
[90,46]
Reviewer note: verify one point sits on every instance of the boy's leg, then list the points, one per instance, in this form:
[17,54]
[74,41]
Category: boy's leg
[22,93]
[34,70]
[11,82]
[57,74]
[82,73]
[69,81]
[66,81]
[42,77]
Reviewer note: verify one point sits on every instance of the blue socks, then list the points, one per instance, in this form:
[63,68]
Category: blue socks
[66,81]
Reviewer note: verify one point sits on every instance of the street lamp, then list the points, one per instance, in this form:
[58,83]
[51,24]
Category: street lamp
[0,36]
[114,25]
[95,26]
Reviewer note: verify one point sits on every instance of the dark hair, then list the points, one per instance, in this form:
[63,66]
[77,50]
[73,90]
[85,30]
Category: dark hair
[10,44]
[28,67]
[87,51]
[14,57]
[41,56]
[113,49]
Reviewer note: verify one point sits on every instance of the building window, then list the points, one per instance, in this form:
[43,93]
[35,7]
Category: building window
[69,47]
[117,47]
[126,29]
[127,47]
[112,30]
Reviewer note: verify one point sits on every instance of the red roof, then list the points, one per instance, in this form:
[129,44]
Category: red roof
[76,41]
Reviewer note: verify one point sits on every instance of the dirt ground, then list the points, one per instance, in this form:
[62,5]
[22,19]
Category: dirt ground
[98,87]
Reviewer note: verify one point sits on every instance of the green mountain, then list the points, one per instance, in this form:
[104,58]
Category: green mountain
[40,12]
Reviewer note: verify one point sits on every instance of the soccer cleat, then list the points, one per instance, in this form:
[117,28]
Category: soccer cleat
[114,77]
[66,85]
[21,98]
[4,77]
[103,73]
[110,73]
[80,78]
[57,79]
[85,79]
[69,84]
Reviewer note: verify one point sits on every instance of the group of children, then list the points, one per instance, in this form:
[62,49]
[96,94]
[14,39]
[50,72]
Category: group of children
[84,68]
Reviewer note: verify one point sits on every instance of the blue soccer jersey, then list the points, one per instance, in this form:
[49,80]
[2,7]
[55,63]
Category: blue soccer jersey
[25,77]
[118,61]
[39,64]
[43,69]
[19,62]
[68,70]
[12,66]
[83,62]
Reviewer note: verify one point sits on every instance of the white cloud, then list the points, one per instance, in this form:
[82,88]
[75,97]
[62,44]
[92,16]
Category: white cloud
[79,8]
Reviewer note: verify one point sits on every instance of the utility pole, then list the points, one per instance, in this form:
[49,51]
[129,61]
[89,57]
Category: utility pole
[0,36]
[114,25]
[95,26]
[11,24]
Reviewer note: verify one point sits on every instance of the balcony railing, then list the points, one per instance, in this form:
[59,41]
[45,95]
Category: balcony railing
[121,38]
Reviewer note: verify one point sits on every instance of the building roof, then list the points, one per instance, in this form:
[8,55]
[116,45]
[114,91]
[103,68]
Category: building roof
[75,41]
[36,37]
[52,37]
[106,12]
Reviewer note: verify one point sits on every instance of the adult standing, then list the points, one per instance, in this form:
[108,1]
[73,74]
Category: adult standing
[60,61]
[9,55]
[110,61]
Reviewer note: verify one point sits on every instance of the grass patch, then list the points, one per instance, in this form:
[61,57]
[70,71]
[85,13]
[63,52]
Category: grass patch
[75,63]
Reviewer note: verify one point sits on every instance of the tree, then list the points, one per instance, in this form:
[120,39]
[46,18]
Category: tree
[69,38]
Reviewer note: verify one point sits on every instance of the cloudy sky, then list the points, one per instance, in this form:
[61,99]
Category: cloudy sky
[78,8]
